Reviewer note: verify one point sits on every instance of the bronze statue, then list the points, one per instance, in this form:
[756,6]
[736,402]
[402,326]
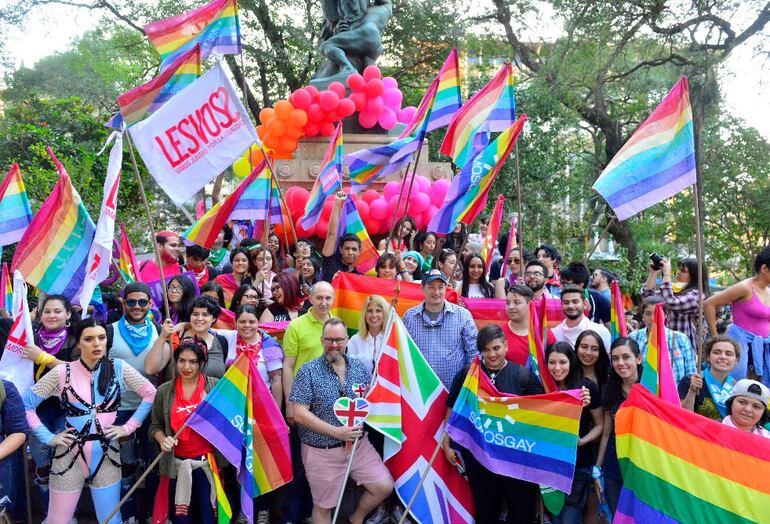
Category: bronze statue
[352,35]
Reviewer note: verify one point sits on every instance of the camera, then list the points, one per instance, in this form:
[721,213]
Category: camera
[657,260]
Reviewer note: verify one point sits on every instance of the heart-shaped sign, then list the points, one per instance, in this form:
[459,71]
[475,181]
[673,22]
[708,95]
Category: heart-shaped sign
[351,411]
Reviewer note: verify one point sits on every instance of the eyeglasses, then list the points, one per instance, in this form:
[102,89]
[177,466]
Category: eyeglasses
[251,296]
[175,289]
[132,302]
[534,274]
[273,289]
[334,341]
[514,260]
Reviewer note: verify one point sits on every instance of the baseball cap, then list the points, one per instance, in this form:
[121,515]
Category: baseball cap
[752,389]
[433,274]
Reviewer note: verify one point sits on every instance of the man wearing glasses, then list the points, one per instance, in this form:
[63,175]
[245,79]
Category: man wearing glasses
[534,278]
[444,332]
[318,384]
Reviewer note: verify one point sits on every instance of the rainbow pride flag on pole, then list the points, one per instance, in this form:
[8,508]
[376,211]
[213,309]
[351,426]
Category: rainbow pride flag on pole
[328,181]
[53,252]
[7,289]
[448,98]
[350,223]
[240,419]
[657,162]
[145,99]
[532,438]
[15,213]
[214,26]
[127,262]
[492,108]
[224,511]
[249,201]
[618,326]
[493,228]
[678,466]
[657,376]
[536,339]
[467,195]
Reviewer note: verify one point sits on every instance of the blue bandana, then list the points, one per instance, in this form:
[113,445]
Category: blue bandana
[137,336]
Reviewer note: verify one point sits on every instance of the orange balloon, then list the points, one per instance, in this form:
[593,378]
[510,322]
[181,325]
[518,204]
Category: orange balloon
[293,132]
[266,114]
[271,141]
[261,130]
[276,126]
[283,109]
[256,156]
[298,118]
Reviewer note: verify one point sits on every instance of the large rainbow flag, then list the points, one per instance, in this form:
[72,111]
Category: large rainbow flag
[6,289]
[657,376]
[493,228]
[532,438]
[240,419]
[678,466]
[350,223]
[536,340]
[617,326]
[448,98]
[214,26]
[127,262]
[15,213]
[492,108]
[53,252]
[250,201]
[224,511]
[467,195]
[657,162]
[145,99]
[328,180]
[350,291]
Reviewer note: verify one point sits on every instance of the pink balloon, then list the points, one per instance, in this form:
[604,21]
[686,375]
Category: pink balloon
[392,205]
[314,113]
[301,231]
[374,88]
[387,119]
[337,88]
[423,183]
[367,120]
[322,228]
[369,195]
[391,189]
[375,105]
[359,100]
[328,100]
[312,90]
[438,191]
[419,203]
[419,221]
[363,209]
[356,82]
[406,114]
[371,72]
[427,215]
[378,208]
[311,129]
[301,99]
[393,99]
[346,108]
[326,129]
[390,83]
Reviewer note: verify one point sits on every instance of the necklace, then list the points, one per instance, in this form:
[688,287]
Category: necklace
[493,373]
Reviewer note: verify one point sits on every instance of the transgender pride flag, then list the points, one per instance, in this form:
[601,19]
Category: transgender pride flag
[657,162]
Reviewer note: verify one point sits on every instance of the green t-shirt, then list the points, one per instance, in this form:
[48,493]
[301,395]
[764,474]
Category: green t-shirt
[302,339]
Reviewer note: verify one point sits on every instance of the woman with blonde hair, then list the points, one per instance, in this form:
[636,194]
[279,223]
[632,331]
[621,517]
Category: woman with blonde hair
[367,343]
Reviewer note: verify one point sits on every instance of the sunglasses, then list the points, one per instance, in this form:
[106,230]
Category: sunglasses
[132,302]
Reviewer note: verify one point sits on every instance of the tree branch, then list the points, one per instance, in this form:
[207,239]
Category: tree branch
[251,102]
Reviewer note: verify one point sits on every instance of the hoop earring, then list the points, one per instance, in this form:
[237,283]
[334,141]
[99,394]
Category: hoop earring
[67,323]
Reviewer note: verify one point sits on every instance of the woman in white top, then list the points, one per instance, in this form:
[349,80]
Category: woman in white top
[474,283]
[367,343]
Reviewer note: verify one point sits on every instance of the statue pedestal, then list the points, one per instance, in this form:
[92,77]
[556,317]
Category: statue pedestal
[304,168]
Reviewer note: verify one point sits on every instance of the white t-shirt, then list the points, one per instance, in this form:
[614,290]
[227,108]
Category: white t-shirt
[366,349]
[570,334]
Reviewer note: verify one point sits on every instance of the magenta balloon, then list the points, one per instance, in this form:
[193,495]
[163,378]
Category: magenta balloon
[311,129]
[312,90]
[374,88]
[301,198]
[367,120]
[393,98]
[369,196]
[326,128]
[375,105]
[420,203]
[359,99]
[356,82]
[387,119]
[391,189]
[372,72]
[346,108]
[315,114]
[301,99]
[438,191]
[423,183]
[363,209]
[378,208]
[328,100]
[390,83]
[406,114]
[337,88]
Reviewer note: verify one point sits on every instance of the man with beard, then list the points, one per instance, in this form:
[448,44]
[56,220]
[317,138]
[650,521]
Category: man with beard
[344,258]
[534,278]
[573,305]
[318,384]
[167,243]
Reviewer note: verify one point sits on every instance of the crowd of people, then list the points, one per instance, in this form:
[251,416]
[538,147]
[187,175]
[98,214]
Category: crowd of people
[112,390]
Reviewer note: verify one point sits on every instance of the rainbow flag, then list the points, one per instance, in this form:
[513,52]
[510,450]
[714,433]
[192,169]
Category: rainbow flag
[7,289]
[486,311]
[127,263]
[657,162]
[53,252]
[145,99]
[512,242]
[448,98]
[350,223]
[240,419]
[536,339]
[678,466]
[367,165]
[350,291]
[657,376]
[224,511]
[618,326]
[533,438]
[468,193]
[250,200]
[279,212]
[214,26]
[424,111]
[493,228]
[491,109]
[15,214]
[328,180]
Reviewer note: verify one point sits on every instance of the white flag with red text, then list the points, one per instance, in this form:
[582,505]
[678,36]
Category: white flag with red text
[195,136]
[100,254]
[13,366]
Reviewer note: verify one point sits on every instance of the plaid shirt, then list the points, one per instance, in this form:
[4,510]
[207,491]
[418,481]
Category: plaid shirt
[447,344]
[682,310]
[680,352]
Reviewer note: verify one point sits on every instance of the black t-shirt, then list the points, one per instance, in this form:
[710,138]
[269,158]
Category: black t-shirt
[512,379]
[330,266]
[586,454]
[704,404]
[599,307]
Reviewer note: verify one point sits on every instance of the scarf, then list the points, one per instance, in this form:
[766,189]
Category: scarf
[252,349]
[217,255]
[201,277]
[678,287]
[182,408]
[719,392]
[137,337]
[52,341]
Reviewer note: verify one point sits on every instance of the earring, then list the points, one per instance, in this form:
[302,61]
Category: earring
[67,323]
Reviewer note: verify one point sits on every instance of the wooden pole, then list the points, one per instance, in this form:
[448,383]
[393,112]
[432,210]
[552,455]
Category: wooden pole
[411,182]
[598,241]
[280,191]
[423,477]
[701,262]
[518,231]
[27,494]
[151,230]
[345,481]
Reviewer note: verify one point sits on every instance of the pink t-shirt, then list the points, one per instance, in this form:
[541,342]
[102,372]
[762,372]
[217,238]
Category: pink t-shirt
[760,432]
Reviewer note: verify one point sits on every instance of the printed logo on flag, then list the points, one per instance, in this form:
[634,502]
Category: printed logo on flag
[351,411]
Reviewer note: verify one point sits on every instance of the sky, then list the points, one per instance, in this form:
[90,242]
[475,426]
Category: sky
[745,77]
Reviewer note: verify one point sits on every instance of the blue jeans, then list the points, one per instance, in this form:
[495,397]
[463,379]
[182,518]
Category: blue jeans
[574,503]
[52,418]
[199,510]
[12,485]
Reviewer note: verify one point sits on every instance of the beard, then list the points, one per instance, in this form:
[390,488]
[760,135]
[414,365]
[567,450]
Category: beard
[573,316]
[537,286]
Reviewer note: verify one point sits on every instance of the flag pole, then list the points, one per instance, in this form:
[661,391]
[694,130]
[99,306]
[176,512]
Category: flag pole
[345,480]
[701,261]
[269,163]
[398,202]
[601,237]
[423,477]
[518,230]
[153,242]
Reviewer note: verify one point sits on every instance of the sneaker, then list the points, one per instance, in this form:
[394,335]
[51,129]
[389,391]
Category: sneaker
[380,516]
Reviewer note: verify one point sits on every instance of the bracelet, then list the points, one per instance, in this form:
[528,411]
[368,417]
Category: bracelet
[402,271]
[41,357]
